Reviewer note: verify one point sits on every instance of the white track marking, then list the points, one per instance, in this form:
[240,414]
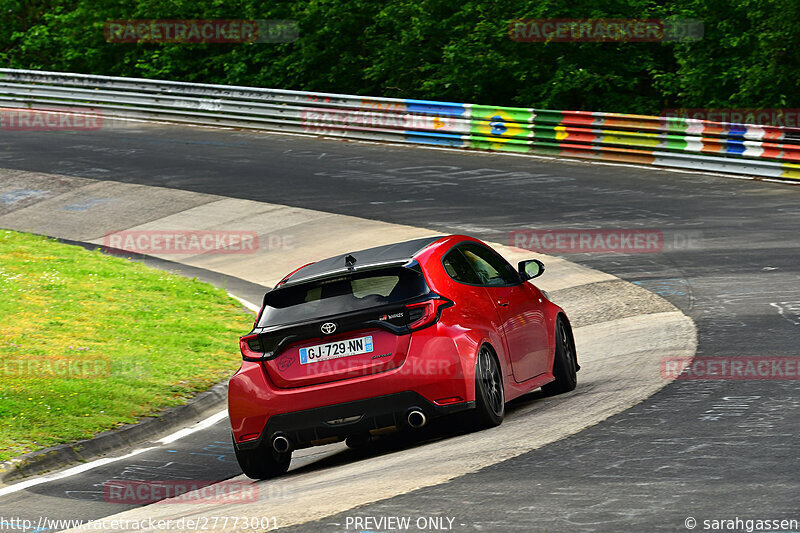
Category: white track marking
[69,472]
[251,306]
[208,422]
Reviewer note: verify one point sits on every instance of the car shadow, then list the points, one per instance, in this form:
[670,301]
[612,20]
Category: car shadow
[405,439]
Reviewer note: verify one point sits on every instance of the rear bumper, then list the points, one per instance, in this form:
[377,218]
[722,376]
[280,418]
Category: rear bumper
[302,428]
[433,375]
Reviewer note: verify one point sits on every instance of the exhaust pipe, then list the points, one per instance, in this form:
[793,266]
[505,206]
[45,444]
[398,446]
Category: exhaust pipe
[358,440]
[281,444]
[416,418]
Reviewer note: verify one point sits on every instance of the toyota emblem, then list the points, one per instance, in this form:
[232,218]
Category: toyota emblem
[328,328]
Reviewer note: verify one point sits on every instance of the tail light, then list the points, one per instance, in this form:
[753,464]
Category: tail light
[262,347]
[423,314]
[449,401]
[250,345]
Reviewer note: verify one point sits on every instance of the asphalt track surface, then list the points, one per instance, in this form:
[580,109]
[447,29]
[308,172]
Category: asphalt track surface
[709,450]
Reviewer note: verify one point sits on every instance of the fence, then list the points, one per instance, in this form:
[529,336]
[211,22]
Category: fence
[765,151]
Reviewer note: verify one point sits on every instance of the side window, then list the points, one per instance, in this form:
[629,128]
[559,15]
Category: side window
[491,268]
[458,268]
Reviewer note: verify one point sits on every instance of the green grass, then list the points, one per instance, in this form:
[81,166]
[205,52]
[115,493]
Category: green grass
[89,342]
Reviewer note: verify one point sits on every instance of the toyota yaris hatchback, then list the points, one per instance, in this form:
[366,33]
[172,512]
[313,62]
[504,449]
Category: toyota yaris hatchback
[390,338]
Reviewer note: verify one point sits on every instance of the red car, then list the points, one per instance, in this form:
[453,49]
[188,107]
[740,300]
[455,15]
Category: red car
[393,337]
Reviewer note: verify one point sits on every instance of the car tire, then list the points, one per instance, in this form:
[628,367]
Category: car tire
[565,362]
[262,463]
[489,395]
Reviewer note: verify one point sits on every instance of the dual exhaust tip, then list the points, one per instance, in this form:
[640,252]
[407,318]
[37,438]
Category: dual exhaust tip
[415,418]
[281,444]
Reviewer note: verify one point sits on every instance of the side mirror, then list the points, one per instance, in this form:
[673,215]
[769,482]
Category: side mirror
[532,268]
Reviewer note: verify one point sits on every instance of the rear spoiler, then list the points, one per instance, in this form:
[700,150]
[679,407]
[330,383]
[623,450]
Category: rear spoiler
[286,282]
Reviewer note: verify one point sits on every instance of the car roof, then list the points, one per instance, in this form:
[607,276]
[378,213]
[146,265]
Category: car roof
[388,255]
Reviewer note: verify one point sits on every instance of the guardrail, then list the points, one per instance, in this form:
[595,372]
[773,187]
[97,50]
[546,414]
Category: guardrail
[765,151]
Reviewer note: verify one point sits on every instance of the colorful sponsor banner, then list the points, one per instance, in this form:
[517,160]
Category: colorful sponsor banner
[738,118]
[604,136]
[501,123]
[576,128]
[435,108]
[325,117]
[440,139]
[790,170]
[627,138]
[315,117]
[430,107]
[438,124]
[379,105]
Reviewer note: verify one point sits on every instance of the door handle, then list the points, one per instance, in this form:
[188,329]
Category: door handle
[501,303]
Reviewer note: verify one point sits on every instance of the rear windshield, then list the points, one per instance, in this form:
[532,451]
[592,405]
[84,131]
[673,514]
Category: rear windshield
[343,294]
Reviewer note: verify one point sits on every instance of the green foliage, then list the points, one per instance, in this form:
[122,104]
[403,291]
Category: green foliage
[438,49]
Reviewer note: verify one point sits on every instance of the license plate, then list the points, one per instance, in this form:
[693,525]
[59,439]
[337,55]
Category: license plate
[335,350]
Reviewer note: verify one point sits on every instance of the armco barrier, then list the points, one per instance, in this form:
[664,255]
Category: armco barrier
[764,151]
